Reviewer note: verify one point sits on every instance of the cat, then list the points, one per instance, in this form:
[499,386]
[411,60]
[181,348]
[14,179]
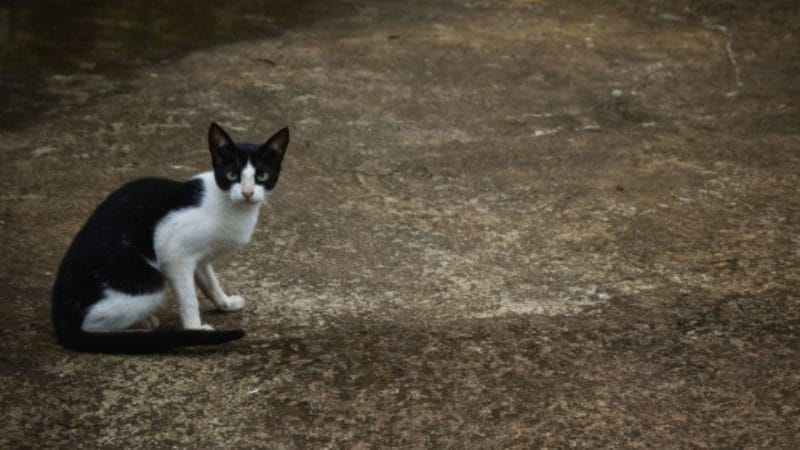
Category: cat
[155,232]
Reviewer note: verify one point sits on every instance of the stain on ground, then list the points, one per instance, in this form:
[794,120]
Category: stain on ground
[501,224]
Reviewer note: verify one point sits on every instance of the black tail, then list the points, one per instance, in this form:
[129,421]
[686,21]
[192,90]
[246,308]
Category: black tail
[139,342]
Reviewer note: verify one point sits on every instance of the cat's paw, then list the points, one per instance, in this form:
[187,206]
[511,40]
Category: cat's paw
[233,303]
[152,322]
[206,327]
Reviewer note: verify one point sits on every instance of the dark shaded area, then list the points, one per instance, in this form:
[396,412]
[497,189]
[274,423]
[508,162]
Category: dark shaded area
[76,42]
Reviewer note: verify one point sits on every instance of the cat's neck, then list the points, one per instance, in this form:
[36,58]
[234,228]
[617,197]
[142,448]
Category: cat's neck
[224,219]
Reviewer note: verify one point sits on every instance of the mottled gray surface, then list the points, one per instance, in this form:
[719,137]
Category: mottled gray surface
[523,223]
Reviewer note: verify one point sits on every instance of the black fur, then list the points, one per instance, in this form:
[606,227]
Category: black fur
[141,342]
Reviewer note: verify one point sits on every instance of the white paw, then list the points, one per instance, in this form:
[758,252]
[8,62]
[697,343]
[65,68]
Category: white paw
[152,322]
[206,327]
[233,303]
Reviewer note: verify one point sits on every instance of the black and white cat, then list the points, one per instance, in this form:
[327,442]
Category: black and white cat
[153,232]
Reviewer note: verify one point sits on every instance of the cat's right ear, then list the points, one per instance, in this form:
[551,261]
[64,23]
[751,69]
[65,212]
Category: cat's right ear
[220,144]
[276,145]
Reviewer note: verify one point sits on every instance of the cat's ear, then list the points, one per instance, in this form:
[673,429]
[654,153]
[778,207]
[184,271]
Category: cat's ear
[277,144]
[220,144]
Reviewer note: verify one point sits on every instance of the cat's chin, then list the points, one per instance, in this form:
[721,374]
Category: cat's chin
[247,203]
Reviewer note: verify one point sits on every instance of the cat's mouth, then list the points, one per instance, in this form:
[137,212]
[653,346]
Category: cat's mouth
[252,200]
[244,201]
[247,194]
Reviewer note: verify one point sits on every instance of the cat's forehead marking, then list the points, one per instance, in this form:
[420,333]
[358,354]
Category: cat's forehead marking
[248,170]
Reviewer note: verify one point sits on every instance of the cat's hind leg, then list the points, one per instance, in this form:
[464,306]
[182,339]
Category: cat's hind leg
[210,286]
[118,311]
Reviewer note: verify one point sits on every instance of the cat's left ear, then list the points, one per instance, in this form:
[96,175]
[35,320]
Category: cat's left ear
[277,144]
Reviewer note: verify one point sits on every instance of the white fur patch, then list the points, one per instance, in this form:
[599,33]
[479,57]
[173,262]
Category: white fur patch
[118,311]
[216,226]
[189,237]
[247,191]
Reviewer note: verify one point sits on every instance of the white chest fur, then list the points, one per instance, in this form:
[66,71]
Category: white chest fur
[202,233]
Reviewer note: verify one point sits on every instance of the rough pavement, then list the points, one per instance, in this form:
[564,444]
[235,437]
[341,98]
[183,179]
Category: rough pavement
[501,224]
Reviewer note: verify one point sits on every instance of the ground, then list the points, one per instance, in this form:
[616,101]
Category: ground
[500,224]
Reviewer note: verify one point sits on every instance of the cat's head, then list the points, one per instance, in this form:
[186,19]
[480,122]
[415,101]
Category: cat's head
[247,172]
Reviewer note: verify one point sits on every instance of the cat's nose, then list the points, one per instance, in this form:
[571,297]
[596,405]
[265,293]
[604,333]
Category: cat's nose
[247,191]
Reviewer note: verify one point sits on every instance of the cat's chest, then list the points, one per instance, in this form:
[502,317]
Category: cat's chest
[203,232]
[225,231]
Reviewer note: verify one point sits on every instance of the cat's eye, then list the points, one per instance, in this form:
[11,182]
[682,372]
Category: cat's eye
[232,176]
[262,177]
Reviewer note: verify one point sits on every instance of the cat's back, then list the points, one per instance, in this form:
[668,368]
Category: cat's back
[115,245]
[128,216]
[153,197]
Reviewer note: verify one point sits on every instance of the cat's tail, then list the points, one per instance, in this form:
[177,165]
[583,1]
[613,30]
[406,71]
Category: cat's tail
[140,342]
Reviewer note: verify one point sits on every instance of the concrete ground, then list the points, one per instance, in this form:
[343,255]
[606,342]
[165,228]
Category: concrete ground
[501,224]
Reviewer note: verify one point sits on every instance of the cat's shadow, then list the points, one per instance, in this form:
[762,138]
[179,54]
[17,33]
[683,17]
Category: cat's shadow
[284,346]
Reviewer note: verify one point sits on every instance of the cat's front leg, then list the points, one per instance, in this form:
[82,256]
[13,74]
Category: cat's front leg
[210,286]
[182,281]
